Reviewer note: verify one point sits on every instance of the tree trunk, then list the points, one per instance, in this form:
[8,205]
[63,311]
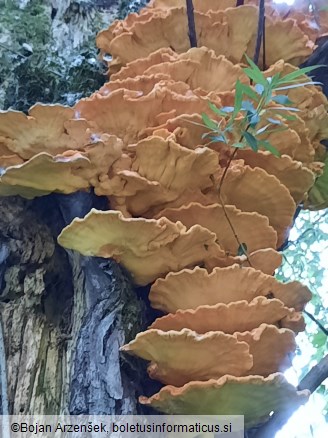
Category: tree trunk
[63,316]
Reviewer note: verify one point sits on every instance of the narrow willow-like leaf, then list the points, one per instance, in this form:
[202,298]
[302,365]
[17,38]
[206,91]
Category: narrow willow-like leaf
[227,109]
[251,140]
[281,99]
[296,74]
[268,146]
[284,108]
[288,117]
[255,76]
[216,110]
[258,76]
[209,122]
[248,91]
[238,99]
[274,121]
[219,138]
[263,129]
[259,89]
[298,85]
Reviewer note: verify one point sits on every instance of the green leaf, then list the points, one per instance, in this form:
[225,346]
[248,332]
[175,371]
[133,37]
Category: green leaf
[263,129]
[219,138]
[209,122]
[281,99]
[288,117]
[251,140]
[238,98]
[254,73]
[275,80]
[255,77]
[248,91]
[296,74]
[242,249]
[274,121]
[268,146]
[216,110]
[299,84]
[227,109]
[284,108]
[259,89]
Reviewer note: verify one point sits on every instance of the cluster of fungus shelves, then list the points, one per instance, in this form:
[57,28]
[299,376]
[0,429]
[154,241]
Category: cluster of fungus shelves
[230,327]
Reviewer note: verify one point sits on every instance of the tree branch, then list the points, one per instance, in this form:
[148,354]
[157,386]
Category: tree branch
[314,319]
[311,381]
[191,24]
[318,374]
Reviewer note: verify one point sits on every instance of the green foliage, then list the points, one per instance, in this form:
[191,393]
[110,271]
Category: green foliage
[255,111]
[31,71]
[305,260]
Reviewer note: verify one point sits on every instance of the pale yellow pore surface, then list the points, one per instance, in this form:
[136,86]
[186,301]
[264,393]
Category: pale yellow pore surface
[179,357]
[272,349]
[147,248]
[238,316]
[189,289]
[255,397]
[252,229]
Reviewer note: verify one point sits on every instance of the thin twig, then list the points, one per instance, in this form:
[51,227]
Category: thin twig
[191,24]
[300,237]
[321,327]
[260,31]
[264,52]
[241,246]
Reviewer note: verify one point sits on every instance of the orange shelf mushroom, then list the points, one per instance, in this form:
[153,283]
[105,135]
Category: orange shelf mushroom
[272,349]
[159,171]
[147,248]
[68,172]
[252,229]
[139,140]
[189,289]
[237,316]
[230,395]
[180,357]
[53,129]
[248,189]
[230,32]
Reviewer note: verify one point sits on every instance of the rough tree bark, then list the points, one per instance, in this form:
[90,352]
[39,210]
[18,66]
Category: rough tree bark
[63,316]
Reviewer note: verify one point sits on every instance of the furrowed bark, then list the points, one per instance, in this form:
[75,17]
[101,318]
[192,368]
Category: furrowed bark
[64,318]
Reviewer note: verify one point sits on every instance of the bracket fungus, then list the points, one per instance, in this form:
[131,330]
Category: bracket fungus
[200,220]
[230,395]
[180,357]
[189,289]
[252,228]
[147,248]
[237,316]
[47,128]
